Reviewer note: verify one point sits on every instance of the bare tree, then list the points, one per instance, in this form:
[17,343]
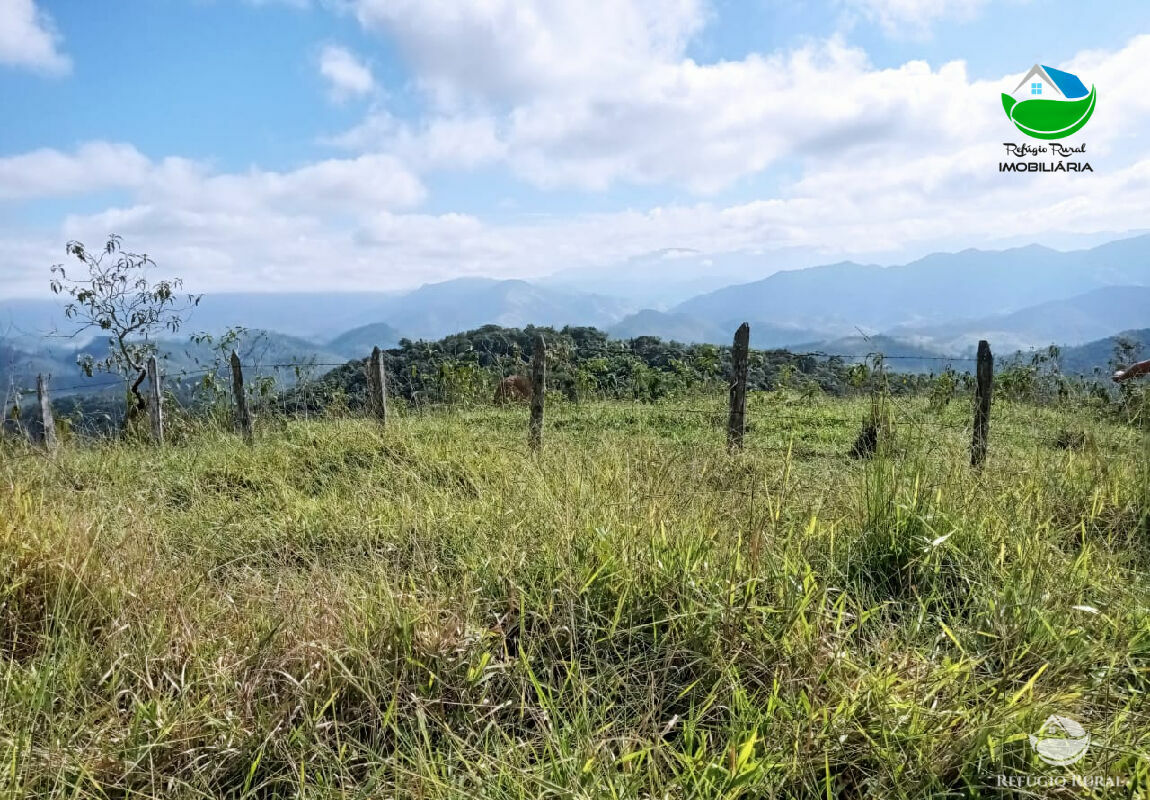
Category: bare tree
[117,297]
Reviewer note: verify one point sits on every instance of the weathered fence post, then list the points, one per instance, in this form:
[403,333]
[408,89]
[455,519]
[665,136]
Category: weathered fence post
[982,392]
[377,386]
[538,392]
[47,421]
[737,421]
[243,413]
[155,401]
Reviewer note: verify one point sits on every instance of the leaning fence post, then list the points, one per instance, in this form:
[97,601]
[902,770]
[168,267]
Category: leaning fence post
[982,392]
[737,421]
[538,392]
[243,413]
[155,401]
[377,386]
[47,421]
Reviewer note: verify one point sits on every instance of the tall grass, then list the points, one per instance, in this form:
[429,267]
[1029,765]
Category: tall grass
[432,611]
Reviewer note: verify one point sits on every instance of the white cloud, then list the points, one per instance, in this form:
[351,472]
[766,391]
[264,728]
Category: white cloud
[29,39]
[333,185]
[914,17]
[587,96]
[439,142]
[51,173]
[700,126]
[508,50]
[885,160]
[843,213]
[348,75]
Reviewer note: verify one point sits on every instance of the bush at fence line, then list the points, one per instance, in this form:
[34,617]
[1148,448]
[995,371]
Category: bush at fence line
[943,389]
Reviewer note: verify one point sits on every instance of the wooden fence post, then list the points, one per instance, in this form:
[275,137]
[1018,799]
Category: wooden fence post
[243,413]
[155,401]
[737,421]
[982,393]
[47,420]
[538,392]
[377,386]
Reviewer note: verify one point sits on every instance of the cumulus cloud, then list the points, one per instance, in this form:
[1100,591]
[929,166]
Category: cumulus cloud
[438,142]
[28,39]
[51,173]
[347,75]
[913,17]
[367,181]
[700,126]
[506,50]
[571,96]
[893,159]
[834,215]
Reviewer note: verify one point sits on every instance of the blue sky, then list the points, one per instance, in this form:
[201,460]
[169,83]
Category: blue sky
[294,144]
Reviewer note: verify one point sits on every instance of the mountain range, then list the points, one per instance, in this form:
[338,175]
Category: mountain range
[1021,298]
[970,285]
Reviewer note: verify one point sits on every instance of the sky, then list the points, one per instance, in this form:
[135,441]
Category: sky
[305,145]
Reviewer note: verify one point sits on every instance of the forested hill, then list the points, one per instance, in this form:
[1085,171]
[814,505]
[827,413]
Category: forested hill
[581,362]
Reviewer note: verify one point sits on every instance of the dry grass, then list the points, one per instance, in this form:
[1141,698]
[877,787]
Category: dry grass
[430,611]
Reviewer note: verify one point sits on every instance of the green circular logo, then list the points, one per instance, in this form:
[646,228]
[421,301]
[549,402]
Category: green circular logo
[1050,103]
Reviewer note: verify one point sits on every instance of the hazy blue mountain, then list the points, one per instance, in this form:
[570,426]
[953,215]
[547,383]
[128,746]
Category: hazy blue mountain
[431,311]
[438,309]
[1018,299]
[972,284]
[672,275]
[358,342]
[687,329]
[1096,356]
[1069,321]
[672,327]
[318,315]
[263,353]
[21,317]
[901,355]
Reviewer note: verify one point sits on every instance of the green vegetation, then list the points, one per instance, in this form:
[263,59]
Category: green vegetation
[431,611]
[585,363]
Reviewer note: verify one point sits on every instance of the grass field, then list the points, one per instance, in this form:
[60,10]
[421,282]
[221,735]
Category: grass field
[431,611]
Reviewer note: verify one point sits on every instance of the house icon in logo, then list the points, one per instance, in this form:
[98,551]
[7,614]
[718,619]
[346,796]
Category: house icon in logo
[1049,103]
[1049,83]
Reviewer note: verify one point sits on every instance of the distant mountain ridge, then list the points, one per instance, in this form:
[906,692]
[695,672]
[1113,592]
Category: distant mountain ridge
[358,341]
[1098,355]
[1069,321]
[262,353]
[431,311]
[972,284]
[942,304]
[435,310]
[684,328]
